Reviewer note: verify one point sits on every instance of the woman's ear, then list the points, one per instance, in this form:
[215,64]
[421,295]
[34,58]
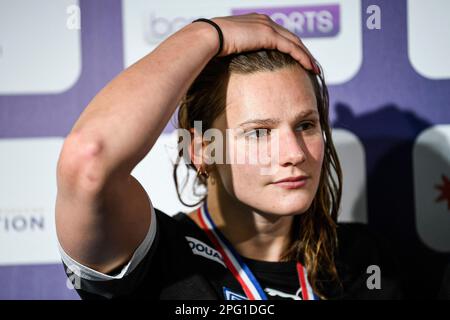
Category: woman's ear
[198,148]
[199,152]
[195,149]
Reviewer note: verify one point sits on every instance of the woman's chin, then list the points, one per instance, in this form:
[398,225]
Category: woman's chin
[293,204]
[289,209]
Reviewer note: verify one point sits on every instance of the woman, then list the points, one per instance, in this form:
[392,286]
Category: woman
[264,230]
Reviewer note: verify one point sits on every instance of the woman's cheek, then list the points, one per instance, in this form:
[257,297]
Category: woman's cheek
[317,149]
[237,178]
[319,161]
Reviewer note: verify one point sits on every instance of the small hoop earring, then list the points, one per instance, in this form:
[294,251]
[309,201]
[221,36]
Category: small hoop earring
[203,173]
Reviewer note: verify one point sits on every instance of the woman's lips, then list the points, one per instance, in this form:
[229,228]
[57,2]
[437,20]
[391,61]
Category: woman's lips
[292,184]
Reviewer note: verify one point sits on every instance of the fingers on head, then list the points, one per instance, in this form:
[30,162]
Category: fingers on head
[287,46]
[286,41]
[294,38]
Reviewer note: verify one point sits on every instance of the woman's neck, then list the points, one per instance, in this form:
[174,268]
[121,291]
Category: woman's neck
[254,235]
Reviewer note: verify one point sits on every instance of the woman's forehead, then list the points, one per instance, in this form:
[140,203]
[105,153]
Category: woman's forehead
[280,95]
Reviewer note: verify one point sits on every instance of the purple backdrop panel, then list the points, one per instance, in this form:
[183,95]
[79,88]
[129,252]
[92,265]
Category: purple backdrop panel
[35,282]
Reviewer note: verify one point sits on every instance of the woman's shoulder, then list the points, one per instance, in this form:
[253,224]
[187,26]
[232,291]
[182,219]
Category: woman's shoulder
[180,222]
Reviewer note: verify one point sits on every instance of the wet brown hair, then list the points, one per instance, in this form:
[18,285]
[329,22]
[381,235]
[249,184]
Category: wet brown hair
[314,236]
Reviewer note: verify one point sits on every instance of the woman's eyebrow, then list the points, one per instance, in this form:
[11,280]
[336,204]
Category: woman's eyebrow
[275,121]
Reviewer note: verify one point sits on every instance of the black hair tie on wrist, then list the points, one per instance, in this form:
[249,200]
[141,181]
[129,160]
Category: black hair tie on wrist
[219,31]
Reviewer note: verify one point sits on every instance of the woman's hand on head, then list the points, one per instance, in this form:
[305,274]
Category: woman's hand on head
[258,31]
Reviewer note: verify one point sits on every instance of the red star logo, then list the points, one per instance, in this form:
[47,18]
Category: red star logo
[445,191]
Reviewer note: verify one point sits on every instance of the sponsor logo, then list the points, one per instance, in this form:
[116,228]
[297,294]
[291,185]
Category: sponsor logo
[160,27]
[444,191]
[230,295]
[21,220]
[329,29]
[273,293]
[27,200]
[305,21]
[202,249]
[431,156]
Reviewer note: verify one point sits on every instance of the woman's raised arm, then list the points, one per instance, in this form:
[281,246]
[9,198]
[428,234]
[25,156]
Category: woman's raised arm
[102,212]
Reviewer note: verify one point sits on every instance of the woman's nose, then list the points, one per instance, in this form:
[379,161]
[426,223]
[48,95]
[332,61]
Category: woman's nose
[291,148]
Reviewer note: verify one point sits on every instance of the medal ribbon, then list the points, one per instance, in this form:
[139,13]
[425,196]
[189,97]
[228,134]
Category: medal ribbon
[238,268]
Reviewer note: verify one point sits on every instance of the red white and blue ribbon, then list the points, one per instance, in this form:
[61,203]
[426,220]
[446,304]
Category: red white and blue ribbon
[238,268]
[307,291]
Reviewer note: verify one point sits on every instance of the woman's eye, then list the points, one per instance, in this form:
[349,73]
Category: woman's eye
[305,126]
[257,133]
